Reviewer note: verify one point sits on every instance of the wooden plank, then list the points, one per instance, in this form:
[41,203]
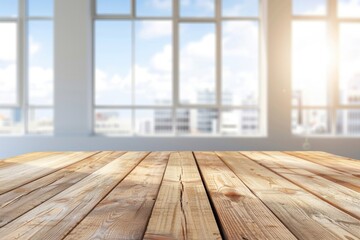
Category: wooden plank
[291,169]
[182,209]
[56,217]
[25,158]
[125,212]
[346,165]
[242,215]
[342,178]
[307,216]
[20,200]
[17,175]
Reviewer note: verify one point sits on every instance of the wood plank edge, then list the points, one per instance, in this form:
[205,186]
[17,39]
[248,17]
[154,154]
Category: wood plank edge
[307,190]
[306,158]
[216,152]
[105,195]
[110,152]
[212,205]
[51,172]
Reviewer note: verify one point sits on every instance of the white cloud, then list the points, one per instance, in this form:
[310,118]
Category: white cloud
[41,85]
[8,84]
[240,39]
[197,65]
[162,61]
[155,29]
[350,8]
[34,46]
[7,42]
[206,4]
[161,4]
[204,48]
[349,55]
[104,82]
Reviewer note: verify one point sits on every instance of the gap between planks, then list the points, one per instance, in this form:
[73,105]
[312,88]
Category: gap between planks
[307,216]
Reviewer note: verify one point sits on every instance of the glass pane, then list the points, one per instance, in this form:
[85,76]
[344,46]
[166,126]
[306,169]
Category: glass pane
[113,121]
[154,122]
[153,70]
[197,63]
[348,122]
[240,8]
[41,8]
[197,8]
[40,55]
[197,121]
[349,8]
[9,8]
[113,62]
[307,122]
[10,121]
[240,63]
[309,63]
[350,63]
[309,7]
[8,58]
[122,7]
[240,122]
[41,121]
[154,8]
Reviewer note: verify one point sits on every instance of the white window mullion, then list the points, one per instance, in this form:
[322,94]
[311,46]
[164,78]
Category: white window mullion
[175,65]
[333,67]
[22,61]
[218,54]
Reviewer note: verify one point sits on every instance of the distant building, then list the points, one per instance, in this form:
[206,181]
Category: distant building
[110,122]
[348,121]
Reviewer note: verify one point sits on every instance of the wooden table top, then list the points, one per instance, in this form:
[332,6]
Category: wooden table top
[179,195]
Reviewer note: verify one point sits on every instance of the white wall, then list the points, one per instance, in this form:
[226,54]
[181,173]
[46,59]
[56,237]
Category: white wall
[73,98]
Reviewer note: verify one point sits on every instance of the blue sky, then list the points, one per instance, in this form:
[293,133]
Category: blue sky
[114,7]
[9,8]
[309,7]
[153,41]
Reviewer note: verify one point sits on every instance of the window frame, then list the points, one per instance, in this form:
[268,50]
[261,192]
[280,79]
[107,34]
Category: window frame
[22,66]
[176,20]
[333,22]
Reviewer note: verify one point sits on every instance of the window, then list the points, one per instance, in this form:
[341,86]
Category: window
[26,67]
[326,73]
[177,68]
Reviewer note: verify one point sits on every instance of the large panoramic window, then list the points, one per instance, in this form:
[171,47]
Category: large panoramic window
[326,72]
[26,67]
[177,68]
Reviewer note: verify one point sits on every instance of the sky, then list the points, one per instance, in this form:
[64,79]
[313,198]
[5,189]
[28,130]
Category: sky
[40,58]
[313,56]
[40,53]
[153,54]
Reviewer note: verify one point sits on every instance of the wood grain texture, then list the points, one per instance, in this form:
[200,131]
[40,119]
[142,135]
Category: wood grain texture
[125,212]
[342,178]
[26,158]
[15,175]
[22,199]
[291,169]
[343,164]
[55,218]
[182,209]
[241,213]
[306,216]
[161,195]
